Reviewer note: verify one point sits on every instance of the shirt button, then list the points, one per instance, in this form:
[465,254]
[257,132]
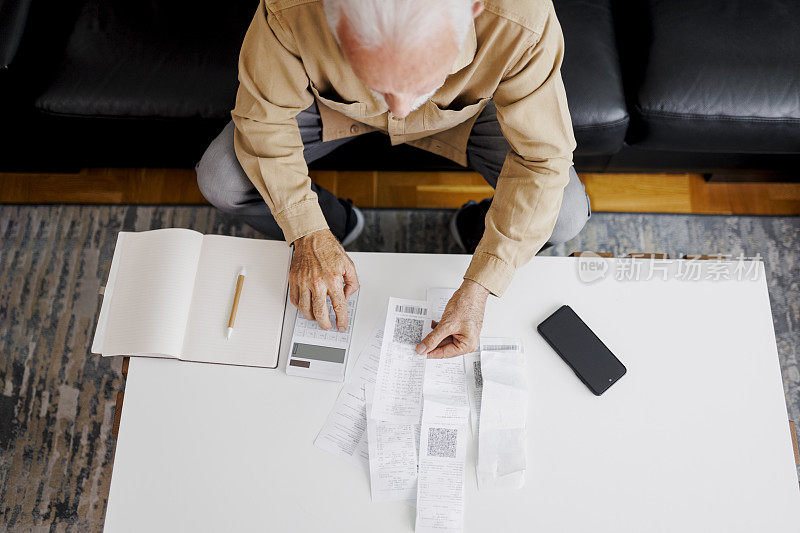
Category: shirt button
[354,129]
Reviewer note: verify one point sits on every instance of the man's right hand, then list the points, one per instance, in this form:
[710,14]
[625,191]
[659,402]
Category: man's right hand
[321,268]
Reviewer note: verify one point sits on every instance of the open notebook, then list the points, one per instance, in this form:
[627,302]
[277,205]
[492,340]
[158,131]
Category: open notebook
[170,291]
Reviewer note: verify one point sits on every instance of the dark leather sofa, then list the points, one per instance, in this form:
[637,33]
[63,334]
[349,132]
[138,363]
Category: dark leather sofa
[653,85]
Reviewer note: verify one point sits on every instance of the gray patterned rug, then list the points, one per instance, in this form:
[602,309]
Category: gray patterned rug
[57,401]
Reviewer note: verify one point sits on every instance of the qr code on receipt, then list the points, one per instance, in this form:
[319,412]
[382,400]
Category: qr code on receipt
[442,442]
[408,330]
[476,368]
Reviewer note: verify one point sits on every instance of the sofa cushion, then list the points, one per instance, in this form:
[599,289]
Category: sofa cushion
[592,78]
[720,77]
[150,60]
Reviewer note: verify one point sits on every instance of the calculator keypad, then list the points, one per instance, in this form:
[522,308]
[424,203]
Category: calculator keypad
[310,330]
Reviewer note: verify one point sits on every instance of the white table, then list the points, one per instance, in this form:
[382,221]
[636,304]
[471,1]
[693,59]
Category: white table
[694,438]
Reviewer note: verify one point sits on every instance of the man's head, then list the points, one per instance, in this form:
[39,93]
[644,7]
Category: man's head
[401,49]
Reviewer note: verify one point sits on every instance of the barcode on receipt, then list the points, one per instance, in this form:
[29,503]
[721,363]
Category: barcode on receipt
[500,347]
[409,309]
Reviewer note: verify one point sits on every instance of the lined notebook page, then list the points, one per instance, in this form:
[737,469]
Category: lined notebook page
[257,332]
[152,293]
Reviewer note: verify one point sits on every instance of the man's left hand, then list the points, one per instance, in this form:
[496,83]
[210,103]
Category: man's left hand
[459,330]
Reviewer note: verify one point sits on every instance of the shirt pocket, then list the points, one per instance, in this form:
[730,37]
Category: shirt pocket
[335,102]
[437,117]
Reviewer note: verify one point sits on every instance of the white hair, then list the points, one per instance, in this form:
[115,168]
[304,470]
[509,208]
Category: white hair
[403,23]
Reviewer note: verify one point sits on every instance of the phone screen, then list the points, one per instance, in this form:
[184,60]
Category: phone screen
[582,350]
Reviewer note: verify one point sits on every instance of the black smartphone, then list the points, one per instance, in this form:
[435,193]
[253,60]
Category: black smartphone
[579,347]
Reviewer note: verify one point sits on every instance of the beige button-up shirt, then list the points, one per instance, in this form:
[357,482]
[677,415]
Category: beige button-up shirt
[512,54]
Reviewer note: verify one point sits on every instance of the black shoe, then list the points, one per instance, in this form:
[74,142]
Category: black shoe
[468,223]
[355,222]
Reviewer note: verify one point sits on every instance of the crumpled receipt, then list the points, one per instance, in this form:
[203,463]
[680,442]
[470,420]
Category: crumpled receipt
[502,435]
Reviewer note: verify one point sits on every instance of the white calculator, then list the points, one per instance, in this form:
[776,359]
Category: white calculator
[319,353]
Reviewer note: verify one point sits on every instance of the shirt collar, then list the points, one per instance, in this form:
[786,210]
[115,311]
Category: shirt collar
[467,53]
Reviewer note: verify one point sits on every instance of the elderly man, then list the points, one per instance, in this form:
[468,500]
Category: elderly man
[478,83]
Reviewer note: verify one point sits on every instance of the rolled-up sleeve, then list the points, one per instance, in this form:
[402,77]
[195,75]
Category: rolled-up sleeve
[534,117]
[273,89]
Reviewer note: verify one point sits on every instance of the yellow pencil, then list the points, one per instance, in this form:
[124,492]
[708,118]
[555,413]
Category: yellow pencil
[235,307]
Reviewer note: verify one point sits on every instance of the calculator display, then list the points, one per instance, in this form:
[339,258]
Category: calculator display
[318,353]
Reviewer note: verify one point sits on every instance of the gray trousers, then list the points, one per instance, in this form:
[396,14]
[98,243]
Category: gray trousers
[225,185]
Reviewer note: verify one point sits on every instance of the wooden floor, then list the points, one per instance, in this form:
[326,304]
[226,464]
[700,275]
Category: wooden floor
[654,193]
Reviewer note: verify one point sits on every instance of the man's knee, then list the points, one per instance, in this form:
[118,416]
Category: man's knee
[219,171]
[206,179]
[575,211]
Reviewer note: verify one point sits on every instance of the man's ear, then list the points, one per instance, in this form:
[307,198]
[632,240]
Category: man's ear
[477,9]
